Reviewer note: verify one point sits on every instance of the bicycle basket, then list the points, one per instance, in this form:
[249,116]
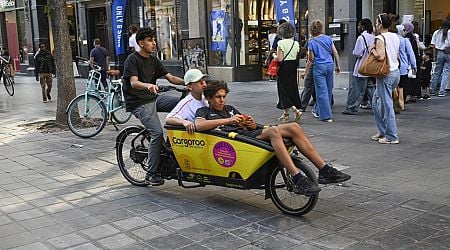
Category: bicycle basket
[93,80]
[9,70]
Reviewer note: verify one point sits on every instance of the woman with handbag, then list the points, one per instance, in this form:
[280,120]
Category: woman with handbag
[321,51]
[287,87]
[412,89]
[386,49]
[358,86]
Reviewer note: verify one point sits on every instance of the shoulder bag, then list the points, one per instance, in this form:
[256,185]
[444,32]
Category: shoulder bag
[275,65]
[373,67]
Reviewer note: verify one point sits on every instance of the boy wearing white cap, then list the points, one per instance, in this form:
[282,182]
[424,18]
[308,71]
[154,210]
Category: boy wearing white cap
[184,112]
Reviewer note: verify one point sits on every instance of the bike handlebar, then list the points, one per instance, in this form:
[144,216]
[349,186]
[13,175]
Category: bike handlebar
[93,64]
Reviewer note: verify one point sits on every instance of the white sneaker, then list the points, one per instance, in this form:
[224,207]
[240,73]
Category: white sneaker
[387,141]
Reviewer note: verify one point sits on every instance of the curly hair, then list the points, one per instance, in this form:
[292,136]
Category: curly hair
[286,30]
[316,27]
[143,33]
[214,86]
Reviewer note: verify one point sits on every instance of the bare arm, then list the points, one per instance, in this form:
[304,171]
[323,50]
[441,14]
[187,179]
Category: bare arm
[190,126]
[203,124]
[107,62]
[379,51]
[174,79]
[309,63]
[280,54]
[336,59]
[136,84]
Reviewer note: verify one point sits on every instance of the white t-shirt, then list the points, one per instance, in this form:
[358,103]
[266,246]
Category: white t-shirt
[271,39]
[436,39]
[132,43]
[187,107]
[392,48]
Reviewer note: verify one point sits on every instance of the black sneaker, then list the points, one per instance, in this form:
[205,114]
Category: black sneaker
[153,179]
[49,97]
[306,187]
[333,176]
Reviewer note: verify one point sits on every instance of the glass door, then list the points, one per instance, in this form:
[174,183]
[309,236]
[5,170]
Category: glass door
[247,47]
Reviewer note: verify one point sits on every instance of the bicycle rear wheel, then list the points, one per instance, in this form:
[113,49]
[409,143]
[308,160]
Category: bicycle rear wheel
[282,194]
[8,81]
[132,154]
[86,117]
[121,115]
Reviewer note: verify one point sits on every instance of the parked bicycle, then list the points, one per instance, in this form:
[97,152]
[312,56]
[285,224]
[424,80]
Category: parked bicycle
[88,113]
[7,73]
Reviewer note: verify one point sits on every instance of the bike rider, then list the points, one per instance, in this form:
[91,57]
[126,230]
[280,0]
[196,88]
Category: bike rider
[141,70]
[230,119]
[184,112]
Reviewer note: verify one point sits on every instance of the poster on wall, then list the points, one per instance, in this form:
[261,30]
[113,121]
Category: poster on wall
[118,12]
[219,31]
[194,54]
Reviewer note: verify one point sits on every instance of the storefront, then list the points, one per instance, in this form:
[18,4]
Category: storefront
[15,37]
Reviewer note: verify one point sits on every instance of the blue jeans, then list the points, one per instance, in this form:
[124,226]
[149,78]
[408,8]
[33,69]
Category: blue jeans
[356,91]
[383,107]
[323,81]
[148,116]
[441,72]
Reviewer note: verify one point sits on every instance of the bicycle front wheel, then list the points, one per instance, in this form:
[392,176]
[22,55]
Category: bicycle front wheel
[120,115]
[132,154]
[282,194]
[8,81]
[86,116]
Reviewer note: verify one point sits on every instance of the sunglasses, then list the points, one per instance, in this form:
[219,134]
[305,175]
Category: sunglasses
[379,17]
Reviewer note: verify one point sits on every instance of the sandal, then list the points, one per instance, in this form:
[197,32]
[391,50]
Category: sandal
[284,117]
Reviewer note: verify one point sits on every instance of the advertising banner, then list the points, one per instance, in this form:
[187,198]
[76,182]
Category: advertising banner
[118,16]
[219,30]
[285,10]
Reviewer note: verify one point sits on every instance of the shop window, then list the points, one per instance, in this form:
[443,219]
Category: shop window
[160,15]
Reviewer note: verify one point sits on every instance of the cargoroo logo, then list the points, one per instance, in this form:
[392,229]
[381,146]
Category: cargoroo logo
[188,142]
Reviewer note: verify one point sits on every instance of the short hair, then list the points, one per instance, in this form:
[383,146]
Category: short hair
[367,25]
[97,41]
[316,27]
[281,21]
[143,33]
[286,30]
[213,86]
[133,28]
[42,43]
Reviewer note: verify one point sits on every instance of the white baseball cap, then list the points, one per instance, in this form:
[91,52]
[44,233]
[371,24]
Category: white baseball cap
[193,75]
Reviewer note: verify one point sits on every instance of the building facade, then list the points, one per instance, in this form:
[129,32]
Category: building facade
[228,38]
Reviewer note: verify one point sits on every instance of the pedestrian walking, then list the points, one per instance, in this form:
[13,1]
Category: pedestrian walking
[100,56]
[132,44]
[407,60]
[441,44]
[44,71]
[387,44]
[323,54]
[359,84]
[287,87]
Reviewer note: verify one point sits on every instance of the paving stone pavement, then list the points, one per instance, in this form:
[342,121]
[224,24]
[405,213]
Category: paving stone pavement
[54,195]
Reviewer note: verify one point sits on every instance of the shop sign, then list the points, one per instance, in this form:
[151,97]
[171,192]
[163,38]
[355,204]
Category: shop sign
[118,16]
[7,5]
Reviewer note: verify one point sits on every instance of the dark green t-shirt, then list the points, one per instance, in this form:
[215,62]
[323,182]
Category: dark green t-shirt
[147,70]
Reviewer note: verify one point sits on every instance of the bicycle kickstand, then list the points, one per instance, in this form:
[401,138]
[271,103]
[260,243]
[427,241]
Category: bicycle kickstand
[115,126]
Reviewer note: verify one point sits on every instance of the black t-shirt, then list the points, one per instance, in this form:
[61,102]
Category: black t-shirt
[425,74]
[147,70]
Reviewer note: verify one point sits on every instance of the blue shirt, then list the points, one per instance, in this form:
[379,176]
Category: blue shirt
[321,47]
[406,56]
